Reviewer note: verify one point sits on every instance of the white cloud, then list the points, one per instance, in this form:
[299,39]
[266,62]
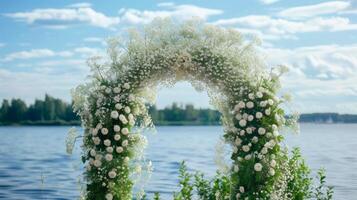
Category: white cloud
[180,12]
[62,18]
[93,39]
[165,4]
[267,2]
[315,10]
[80,5]
[321,78]
[35,53]
[277,28]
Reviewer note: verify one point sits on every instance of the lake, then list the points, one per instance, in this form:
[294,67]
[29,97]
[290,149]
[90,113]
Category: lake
[34,164]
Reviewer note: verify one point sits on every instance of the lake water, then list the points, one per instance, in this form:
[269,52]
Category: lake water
[34,165]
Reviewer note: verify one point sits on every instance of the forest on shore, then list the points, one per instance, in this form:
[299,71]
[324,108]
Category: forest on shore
[54,111]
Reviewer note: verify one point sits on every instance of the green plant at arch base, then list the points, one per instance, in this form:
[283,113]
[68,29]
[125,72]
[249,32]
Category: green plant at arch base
[112,106]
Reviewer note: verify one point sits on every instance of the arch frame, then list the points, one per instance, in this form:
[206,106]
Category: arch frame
[114,112]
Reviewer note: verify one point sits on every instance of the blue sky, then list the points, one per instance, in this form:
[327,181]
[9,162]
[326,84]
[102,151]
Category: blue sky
[44,44]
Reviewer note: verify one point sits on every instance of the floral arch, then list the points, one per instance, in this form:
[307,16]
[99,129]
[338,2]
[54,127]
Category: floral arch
[113,105]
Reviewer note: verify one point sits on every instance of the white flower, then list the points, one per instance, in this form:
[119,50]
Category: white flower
[264,150]
[249,130]
[123,119]
[116,137]
[125,131]
[131,97]
[251,96]
[116,128]
[117,98]
[241,189]
[108,157]
[238,141]
[116,90]
[263,103]
[119,149]
[127,109]
[96,140]
[258,167]
[271,172]
[131,116]
[242,122]
[250,104]
[88,167]
[235,149]
[269,135]
[109,149]
[118,106]
[107,142]
[98,157]
[275,127]
[125,143]
[255,139]
[242,133]
[108,90]
[112,174]
[250,118]
[261,131]
[272,163]
[94,131]
[241,104]
[104,131]
[126,85]
[108,196]
[270,102]
[258,115]
[126,159]
[276,133]
[97,163]
[268,111]
[259,94]
[237,196]
[236,107]
[114,114]
[92,152]
[99,126]
[238,116]
[245,148]
[248,157]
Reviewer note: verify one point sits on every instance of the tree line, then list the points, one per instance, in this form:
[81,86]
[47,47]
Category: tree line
[54,111]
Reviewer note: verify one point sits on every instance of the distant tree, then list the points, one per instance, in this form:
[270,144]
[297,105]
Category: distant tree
[17,110]
[4,111]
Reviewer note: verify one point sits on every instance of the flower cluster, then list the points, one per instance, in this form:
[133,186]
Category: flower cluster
[113,105]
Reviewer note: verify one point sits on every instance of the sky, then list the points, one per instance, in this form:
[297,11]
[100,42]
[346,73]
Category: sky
[44,45]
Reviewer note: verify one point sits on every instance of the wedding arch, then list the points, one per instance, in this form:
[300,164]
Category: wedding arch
[113,105]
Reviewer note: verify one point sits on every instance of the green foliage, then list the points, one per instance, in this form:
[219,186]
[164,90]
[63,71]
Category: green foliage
[322,191]
[185,184]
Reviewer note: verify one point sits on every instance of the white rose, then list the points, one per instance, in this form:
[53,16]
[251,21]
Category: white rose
[96,140]
[250,104]
[271,172]
[264,150]
[131,122]
[127,109]
[131,97]
[104,131]
[108,90]
[94,132]
[258,115]
[118,106]
[242,132]
[108,157]
[131,116]
[249,130]
[126,86]
[117,98]
[119,149]
[241,104]
[114,114]
[116,137]
[255,139]
[250,118]
[125,131]
[259,94]
[116,128]
[275,127]
[269,135]
[245,148]
[238,116]
[97,163]
[241,189]
[126,159]
[258,167]
[261,131]
[123,119]
[238,141]
[236,168]
[99,126]
[251,96]
[116,90]
[108,196]
[112,174]
[109,149]
[242,122]
[248,157]
[107,142]
[272,163]
[267,111]
[235,149]
[125,143]
[236,107]
[270,102]
[92,152]
[263,103]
